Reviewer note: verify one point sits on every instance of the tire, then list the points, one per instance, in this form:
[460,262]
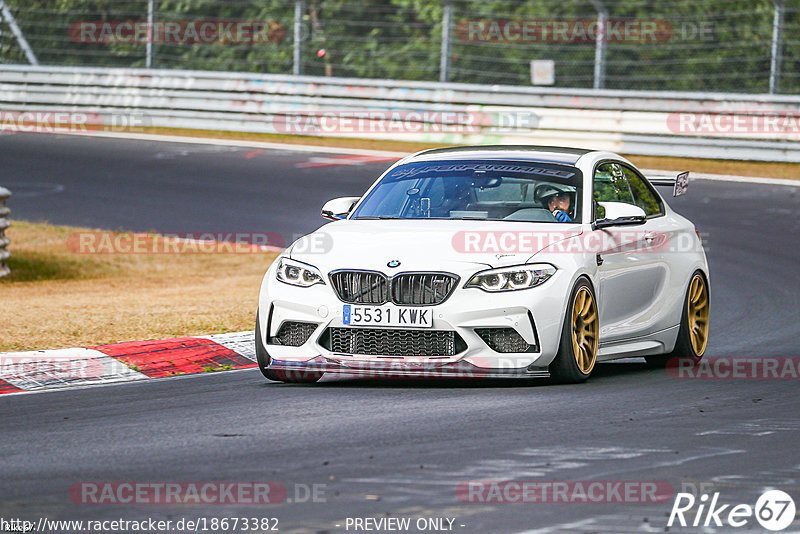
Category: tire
[292,377]
[577,351]
[693,333]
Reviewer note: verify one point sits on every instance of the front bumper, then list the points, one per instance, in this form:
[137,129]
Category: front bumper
[536,314]
[403,369]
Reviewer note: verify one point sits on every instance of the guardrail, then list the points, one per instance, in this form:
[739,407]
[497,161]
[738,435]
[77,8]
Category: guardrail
[705,125]
[4,223]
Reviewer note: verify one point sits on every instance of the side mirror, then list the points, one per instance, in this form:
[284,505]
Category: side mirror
[620,214]
[338,208]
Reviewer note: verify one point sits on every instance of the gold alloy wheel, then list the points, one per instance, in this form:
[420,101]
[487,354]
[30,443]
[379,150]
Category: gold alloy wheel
[585,328]
[697,314]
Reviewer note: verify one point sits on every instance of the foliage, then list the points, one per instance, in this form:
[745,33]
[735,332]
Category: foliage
[703,45]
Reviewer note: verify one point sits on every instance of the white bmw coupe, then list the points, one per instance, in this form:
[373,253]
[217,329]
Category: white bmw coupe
[504,261]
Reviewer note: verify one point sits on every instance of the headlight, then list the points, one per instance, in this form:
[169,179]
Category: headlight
[512,278]
[298,274]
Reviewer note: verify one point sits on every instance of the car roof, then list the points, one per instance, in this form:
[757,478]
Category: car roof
[549,154]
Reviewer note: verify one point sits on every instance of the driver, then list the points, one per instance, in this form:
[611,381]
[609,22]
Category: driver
[557,199]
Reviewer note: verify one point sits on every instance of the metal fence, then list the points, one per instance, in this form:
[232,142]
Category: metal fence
[746,46]
[703,125]
[4,212]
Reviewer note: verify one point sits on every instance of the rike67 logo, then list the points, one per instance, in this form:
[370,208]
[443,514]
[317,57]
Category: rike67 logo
[774,510]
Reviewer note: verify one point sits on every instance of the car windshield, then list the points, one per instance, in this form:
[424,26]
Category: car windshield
[476,189]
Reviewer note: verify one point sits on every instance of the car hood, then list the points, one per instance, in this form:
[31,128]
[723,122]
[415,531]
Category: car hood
[426,245]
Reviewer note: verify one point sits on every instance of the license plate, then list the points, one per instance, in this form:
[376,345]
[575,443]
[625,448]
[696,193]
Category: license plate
[386,316]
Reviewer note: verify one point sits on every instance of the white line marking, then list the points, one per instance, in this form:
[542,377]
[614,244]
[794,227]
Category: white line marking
[667,463]
[367,152]
[350,159]
[28,190]
[240,143]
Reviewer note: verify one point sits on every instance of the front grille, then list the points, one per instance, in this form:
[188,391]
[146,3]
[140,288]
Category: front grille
[390,342]
[409,289]
[361,287]
[423,289]
[504,340]
[293,334]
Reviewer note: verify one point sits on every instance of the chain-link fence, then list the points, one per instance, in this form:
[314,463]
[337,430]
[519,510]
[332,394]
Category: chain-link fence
[750,46]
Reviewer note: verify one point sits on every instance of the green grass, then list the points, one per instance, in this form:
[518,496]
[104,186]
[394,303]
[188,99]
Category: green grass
[214,369]
[33,266]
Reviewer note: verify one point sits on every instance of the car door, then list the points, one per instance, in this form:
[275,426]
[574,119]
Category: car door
[632,267]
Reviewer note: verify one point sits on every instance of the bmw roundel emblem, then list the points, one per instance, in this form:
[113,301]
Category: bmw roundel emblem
[393,264]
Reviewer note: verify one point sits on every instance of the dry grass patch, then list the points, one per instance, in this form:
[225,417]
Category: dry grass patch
[761,169]
[57,298]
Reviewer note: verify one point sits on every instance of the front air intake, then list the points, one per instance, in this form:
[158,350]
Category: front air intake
[393,342]
[293,333]
[504,340]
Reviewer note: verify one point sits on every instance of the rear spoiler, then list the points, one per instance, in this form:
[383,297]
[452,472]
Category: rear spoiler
[679,184]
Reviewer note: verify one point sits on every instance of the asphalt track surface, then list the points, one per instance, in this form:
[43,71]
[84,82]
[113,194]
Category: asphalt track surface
[394,448]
